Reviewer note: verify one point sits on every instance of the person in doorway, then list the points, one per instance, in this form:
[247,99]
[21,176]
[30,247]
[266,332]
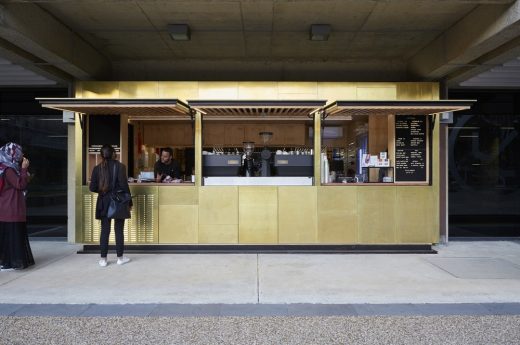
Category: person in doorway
[15,251]
[166,168]
[102,182]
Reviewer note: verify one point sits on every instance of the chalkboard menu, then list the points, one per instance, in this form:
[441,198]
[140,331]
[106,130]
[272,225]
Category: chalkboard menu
[410,148]
[103,129]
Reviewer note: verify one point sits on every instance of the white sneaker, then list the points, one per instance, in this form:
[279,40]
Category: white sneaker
[103,262]
[122,260]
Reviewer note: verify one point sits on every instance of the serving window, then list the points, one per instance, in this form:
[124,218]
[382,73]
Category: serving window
[385,141]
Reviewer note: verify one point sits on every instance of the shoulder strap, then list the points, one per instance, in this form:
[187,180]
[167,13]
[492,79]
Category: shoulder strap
[114,176]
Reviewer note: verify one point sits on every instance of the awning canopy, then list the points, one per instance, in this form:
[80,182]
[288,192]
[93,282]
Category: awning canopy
[256,109]
[132,107]
[350,108]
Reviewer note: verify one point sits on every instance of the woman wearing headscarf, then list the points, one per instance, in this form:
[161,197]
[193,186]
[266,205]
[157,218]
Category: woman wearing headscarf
[15,251]
[102,182]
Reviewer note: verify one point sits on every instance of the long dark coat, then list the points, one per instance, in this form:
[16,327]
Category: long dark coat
[103,200]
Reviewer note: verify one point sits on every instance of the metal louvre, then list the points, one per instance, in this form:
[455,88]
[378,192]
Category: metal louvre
[132,107]
[256,110]
[353,108]
[142,227]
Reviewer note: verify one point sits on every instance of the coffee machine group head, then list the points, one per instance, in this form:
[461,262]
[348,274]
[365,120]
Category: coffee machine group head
[266,153]
[249,163]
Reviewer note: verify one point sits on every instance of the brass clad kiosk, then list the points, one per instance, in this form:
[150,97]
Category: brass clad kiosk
[324,213]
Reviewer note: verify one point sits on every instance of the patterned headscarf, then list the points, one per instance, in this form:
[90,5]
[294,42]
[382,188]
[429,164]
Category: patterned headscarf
[10,157]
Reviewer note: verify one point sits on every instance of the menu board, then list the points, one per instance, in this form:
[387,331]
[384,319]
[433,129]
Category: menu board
[410,148]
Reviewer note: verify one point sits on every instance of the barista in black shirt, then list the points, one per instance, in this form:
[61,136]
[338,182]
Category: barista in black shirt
[166,166]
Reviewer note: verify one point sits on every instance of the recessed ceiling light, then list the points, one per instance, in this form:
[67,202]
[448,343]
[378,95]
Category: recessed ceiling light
[179,32]
[319,32]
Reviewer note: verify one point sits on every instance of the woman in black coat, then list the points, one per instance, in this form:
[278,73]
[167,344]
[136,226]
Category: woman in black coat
[102,182]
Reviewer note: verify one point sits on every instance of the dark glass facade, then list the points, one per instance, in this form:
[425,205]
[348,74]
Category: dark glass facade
[484,166]
[43,136]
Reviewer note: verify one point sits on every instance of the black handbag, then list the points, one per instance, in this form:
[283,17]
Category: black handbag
[119,206]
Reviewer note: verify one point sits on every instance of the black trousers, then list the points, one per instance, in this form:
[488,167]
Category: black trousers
[119,225]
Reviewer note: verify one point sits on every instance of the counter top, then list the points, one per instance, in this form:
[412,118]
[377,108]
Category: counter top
[258,181]
[177,184]
[377,184]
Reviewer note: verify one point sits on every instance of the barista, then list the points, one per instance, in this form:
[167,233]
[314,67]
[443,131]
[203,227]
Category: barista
[166,168]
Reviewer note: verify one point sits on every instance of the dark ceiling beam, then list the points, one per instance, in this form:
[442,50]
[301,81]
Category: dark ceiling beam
[485,29]
[36,38]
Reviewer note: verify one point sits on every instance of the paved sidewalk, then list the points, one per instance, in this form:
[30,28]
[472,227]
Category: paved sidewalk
[462,272]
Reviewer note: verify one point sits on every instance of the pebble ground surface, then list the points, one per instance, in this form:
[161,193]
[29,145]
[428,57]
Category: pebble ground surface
[456,330]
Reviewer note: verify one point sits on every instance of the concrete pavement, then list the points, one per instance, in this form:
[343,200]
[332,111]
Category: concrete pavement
[462,272]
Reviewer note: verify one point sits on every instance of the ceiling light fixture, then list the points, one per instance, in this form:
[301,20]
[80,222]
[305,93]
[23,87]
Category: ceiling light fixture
[319,32]
[179,32]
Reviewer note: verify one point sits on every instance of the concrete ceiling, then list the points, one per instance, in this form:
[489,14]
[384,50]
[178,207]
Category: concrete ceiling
[371,40]
[15,75]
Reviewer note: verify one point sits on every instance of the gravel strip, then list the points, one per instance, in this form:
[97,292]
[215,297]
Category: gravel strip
[414,330]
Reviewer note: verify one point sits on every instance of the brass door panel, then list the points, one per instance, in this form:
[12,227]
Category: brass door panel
[297,216]
[337,215]
[178,223]
[376,214]
[415,221]
[258,214]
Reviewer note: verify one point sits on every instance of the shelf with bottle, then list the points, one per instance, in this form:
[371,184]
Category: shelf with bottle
[382,177]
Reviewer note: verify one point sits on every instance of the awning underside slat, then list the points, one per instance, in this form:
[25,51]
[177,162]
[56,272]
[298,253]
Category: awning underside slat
[257,109]
[352,108]
[133,107]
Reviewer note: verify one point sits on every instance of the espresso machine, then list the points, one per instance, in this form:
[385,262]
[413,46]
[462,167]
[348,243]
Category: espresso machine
[249,163]
[266,154]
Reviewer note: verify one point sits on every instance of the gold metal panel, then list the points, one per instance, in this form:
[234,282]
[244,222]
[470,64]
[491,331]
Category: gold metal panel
[218,205]
[337,215]
[297,96]
[376,214]
[178,223]
[414,214]
[332,91]
[183,90]
[218,233]
[218,90]
[376,92]
[415,91]
[258,214]
[297,215]
[288,87]
[178,195]
[257,90]
[97,89]
[138,89]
